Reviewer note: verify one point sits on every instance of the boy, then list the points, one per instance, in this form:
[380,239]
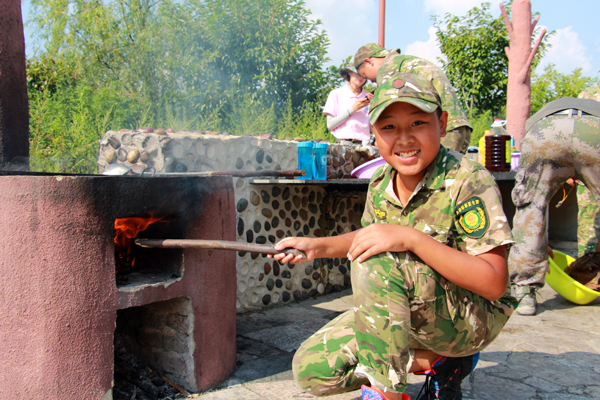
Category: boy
[428,268]
[376,63]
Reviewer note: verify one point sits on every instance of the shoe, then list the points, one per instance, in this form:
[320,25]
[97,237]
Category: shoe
[526,296]
[372,393]
[445,376]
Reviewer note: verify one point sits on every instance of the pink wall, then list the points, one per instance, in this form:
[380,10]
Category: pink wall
[59,297]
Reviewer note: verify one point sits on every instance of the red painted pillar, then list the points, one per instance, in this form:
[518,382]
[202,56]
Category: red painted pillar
[382,23]
[14,109]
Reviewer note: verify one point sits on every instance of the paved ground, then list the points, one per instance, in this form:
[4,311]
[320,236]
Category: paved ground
[553,355]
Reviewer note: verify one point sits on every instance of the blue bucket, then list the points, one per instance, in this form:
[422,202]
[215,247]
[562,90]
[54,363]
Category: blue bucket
[305,160]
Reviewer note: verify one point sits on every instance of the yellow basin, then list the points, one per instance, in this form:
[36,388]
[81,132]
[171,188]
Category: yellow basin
[566,286]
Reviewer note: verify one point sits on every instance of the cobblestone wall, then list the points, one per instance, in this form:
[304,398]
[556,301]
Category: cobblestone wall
[265,213]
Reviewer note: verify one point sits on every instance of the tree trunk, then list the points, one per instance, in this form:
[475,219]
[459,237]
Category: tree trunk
[14,109]
[520,55]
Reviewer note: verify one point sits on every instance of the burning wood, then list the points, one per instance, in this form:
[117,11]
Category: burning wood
[215,244]
[126,229]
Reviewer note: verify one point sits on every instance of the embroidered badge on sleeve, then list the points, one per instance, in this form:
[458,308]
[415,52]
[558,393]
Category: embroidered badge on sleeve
[472,217]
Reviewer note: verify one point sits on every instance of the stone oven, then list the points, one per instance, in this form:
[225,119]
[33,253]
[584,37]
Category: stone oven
[64,308]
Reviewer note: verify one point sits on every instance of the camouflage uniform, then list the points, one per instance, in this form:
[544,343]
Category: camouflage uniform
[459,130]
[588,220]
[555,148]
[592,93]
[400,303]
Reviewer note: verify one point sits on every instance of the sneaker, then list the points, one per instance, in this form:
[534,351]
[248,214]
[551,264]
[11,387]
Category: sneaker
[372,393]
[527,299]
[445,376]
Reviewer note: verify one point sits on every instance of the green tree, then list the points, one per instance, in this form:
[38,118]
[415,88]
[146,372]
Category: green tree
[552,85]
[475,60]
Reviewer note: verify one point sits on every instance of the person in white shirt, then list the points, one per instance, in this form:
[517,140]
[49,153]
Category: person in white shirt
[347,108]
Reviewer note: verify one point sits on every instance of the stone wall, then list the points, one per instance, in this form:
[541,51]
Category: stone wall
[265,213]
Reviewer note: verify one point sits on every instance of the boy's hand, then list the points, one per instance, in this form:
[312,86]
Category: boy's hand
[301,243]
[380,238]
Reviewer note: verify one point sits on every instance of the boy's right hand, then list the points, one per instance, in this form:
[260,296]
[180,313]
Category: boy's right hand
[307,245]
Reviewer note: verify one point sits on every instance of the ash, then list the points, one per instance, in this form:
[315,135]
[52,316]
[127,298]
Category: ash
[135,380]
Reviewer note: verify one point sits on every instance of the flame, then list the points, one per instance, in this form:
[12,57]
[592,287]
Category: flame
[126,230]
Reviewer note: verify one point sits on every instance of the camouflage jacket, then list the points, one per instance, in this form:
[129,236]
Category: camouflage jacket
[395,62]
[457,203]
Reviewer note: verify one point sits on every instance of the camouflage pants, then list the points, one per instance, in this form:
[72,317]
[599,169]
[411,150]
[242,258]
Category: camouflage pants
[588,220]
[399,304]
[457,139]
[555,149]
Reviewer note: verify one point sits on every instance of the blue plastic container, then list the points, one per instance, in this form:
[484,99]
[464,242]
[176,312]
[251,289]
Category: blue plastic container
[320,171]
[305,160]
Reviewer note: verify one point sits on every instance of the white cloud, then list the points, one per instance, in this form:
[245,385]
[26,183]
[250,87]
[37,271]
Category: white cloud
[456,7]
[428,50]
[567,53]
[348,24]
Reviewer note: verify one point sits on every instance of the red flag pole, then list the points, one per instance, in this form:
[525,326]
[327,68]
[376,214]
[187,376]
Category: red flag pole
[382,23]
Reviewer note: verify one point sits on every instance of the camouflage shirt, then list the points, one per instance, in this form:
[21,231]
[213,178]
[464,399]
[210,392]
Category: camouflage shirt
[395,62]
[457,203]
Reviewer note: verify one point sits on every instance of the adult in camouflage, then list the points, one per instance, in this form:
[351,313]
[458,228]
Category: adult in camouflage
[377,64]
[429,273]
[562,141]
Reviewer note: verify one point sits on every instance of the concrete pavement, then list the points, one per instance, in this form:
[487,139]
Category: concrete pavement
[552,355]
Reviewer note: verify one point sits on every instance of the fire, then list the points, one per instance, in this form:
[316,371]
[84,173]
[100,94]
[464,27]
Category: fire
[126,230]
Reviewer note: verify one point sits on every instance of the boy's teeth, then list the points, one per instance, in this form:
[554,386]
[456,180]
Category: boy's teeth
[408,154]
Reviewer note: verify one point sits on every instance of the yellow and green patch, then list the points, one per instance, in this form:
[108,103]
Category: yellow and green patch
[472,217]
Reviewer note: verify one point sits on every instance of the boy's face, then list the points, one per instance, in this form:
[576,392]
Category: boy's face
[409,138]
[369,69]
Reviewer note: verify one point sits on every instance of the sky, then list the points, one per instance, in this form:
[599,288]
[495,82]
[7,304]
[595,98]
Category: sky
[352,23]
[408,26]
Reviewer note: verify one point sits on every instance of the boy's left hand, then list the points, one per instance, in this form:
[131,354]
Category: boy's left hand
[380,238]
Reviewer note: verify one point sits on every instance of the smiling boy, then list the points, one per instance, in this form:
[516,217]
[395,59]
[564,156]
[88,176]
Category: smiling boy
[429,271]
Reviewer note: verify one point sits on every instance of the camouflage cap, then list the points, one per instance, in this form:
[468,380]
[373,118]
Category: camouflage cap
[348,66]
[371,50]
[406,88]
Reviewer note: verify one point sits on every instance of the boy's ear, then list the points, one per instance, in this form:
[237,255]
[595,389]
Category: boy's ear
[443,122]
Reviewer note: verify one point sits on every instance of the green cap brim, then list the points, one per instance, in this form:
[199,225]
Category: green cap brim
[425,106]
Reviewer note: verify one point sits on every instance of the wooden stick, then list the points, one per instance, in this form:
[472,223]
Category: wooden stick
[240,174]
[215,244]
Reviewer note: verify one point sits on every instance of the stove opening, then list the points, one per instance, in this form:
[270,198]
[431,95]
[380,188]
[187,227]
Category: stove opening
[154,349]
[137,266]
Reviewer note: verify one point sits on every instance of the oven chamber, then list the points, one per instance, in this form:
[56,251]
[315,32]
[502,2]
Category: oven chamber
[60,298]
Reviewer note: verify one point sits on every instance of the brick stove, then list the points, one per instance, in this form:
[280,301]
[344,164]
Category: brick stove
[61,301]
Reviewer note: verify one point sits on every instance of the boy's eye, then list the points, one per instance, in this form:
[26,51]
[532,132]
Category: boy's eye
[389,126]
[417,123]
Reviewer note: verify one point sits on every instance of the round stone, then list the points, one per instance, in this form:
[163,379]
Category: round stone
[297,201]
[266,299]
[281,214]
[297,225]
[347,280]
[328,288]
[330,263]
[294,214]
[144,156]
[343,269]
[279,233]
[289,285]
[242,205]
[267,226]
[304,202]
[261,277]
[312,293]
[272,239]
[275,204]
[288,222]
[316,276]
[254,198]
[265,196]
[276,191]
[270,284]
[303,214]
[261,240]
[240,227]
[275,222]
[321,288]
[311,196]
[180,167]
[311,222]
[286,274]
[313,208]
[256,226]
[110,156]
[297,295]
[306,230]
[308,270]
[121,154]
[160,131]
[336,262]
[286,193]
[304,294]
[254,255]
[306,283]
[267,212]
[269,159]
[267,268]
[305,190]
[276,268]
[249,236]
[317,263]
[279,283]
[239,164]
[285,296]
[241,253]
[114,143]
[260,156]
[287,206]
